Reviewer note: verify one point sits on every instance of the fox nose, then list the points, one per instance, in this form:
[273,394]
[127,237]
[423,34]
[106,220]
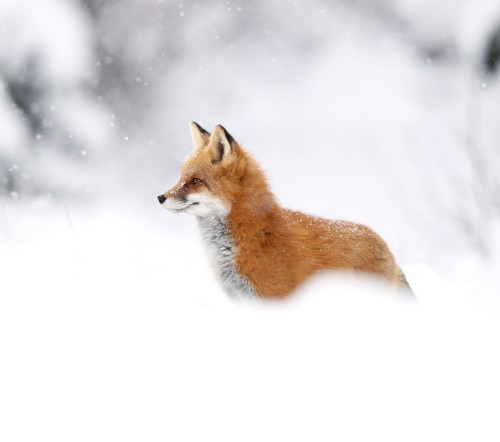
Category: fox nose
[161,199]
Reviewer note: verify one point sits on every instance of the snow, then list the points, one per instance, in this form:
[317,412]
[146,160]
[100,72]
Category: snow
[112,325]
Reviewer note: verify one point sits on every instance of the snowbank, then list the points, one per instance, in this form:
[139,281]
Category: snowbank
[112,329]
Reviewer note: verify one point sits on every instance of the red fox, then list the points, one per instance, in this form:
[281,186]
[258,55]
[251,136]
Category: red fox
[259,248]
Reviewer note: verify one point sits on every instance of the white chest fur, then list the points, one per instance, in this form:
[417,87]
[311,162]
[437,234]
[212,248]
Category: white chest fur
[219,240]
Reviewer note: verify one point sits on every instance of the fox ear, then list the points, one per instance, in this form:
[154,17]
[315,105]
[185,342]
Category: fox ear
[222,144]
[200,136]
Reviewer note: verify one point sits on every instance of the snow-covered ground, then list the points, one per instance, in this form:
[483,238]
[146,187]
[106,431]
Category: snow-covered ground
[112,326]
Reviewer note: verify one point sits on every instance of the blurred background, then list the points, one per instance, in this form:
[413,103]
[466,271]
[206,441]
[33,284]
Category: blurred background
[383,112]
[389,107]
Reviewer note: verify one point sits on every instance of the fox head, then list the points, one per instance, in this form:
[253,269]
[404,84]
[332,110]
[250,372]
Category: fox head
[211,177]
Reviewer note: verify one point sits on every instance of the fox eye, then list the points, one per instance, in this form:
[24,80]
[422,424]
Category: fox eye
[195,181]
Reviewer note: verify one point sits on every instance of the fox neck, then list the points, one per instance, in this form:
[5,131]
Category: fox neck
[252,210]
[222,249]
[254,206]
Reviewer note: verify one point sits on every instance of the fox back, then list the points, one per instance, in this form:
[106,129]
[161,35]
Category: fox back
[259,248]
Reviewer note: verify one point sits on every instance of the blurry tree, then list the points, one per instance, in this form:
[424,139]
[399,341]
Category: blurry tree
[464,36]
[477,202]
[492,52]
[164,62]
[141,48]
[51,122]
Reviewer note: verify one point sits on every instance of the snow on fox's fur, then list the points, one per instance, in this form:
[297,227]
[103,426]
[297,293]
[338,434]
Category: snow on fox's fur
[259,248]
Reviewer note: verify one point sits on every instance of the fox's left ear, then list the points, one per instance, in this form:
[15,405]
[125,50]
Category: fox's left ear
[222,145]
